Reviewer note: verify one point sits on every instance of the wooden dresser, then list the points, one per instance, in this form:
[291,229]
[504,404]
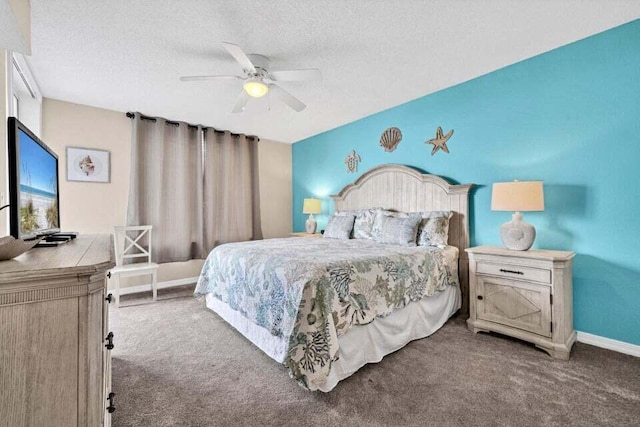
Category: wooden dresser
[55,346]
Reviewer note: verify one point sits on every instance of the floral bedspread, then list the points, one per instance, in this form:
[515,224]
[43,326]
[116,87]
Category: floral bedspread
[310,291]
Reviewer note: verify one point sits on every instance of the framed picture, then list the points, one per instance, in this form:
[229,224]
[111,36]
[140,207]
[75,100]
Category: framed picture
[88,165]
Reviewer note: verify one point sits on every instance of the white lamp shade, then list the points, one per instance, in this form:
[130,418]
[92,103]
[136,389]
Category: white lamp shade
[312,206]
[517,196]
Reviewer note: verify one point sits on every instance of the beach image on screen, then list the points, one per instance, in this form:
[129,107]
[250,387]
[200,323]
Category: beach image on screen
[38,187]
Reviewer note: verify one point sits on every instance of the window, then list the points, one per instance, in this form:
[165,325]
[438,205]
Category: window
[16,107]
[27,100]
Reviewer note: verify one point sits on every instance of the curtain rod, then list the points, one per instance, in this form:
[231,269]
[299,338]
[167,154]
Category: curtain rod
[204,128]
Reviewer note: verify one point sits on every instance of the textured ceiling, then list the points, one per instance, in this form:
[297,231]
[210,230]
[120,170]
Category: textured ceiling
[128,55]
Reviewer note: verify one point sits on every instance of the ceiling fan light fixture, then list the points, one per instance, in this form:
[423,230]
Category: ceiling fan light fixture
[255,88]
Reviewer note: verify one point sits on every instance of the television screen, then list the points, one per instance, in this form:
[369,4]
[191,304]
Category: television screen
[33,184]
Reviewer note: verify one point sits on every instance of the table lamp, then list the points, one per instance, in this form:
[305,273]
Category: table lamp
[517,196]
[311,206]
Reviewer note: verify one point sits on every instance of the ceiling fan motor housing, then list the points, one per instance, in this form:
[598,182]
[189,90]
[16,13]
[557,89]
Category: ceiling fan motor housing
[262,66]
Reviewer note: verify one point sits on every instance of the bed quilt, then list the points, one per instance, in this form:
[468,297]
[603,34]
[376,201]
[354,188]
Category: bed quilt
[311,291]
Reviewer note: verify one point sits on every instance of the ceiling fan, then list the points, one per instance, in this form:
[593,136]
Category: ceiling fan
[259,79]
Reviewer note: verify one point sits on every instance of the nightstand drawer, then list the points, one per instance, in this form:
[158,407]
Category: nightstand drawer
[515,272]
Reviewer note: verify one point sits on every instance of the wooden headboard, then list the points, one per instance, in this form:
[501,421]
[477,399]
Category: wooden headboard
[405,189]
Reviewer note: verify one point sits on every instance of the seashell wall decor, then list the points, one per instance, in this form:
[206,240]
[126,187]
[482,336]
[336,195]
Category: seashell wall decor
[352,161]
[390,139]
[440,141]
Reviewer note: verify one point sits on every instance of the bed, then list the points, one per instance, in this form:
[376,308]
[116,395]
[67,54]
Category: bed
[326,307]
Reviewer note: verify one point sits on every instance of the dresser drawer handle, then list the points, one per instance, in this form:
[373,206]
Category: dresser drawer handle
[480,297]
[511,271]
[111,408]
[109,339]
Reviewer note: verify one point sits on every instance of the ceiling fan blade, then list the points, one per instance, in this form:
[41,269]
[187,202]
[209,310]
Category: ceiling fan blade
[239,56]
[296,75]
[287,98]
[199,78]
[242,100]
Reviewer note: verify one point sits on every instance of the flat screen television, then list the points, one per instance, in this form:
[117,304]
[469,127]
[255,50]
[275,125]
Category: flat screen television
[33,184]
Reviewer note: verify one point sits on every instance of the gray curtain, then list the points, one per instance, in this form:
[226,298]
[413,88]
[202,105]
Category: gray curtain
[232,198]
[197,187]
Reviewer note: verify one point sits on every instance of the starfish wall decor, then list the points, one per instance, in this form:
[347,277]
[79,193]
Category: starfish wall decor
[440,141]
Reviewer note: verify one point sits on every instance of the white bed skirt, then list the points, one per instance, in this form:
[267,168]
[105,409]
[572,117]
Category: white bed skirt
[361,344]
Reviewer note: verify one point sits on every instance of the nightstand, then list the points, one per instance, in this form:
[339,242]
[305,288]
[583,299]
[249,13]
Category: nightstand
[524,294]
[305,234]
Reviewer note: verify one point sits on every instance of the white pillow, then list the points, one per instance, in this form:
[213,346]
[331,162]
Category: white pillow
[380,217]
[398,229]
[339,227]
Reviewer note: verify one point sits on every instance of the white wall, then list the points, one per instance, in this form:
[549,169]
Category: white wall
[96,208]
[89,207]
[22,14]
[4,227]
[15,25]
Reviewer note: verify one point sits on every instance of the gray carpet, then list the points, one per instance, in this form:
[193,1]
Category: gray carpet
[177,363]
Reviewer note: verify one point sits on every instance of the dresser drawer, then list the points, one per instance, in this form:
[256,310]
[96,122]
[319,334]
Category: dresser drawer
[515,272]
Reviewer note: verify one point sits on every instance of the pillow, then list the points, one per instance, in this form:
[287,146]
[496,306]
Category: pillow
[339,227]
[434,228]
[363,225]
[380,217]
[399,230]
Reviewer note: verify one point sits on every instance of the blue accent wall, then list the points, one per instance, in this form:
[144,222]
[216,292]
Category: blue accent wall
[569,117]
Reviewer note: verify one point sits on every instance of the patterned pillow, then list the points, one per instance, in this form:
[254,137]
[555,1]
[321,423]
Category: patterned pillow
[398,230]
[363,225]
[339,227]
[434,228]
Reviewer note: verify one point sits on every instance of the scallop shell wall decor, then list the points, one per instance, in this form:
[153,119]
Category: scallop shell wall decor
[390,139]
[352,161]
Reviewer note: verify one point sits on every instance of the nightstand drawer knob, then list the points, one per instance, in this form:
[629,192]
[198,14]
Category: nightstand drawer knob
[479,297]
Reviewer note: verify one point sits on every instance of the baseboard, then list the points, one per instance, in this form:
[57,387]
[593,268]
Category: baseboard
[161,285]
[608,343]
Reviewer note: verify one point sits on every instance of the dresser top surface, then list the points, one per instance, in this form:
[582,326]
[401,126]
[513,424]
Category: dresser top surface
[83,255]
